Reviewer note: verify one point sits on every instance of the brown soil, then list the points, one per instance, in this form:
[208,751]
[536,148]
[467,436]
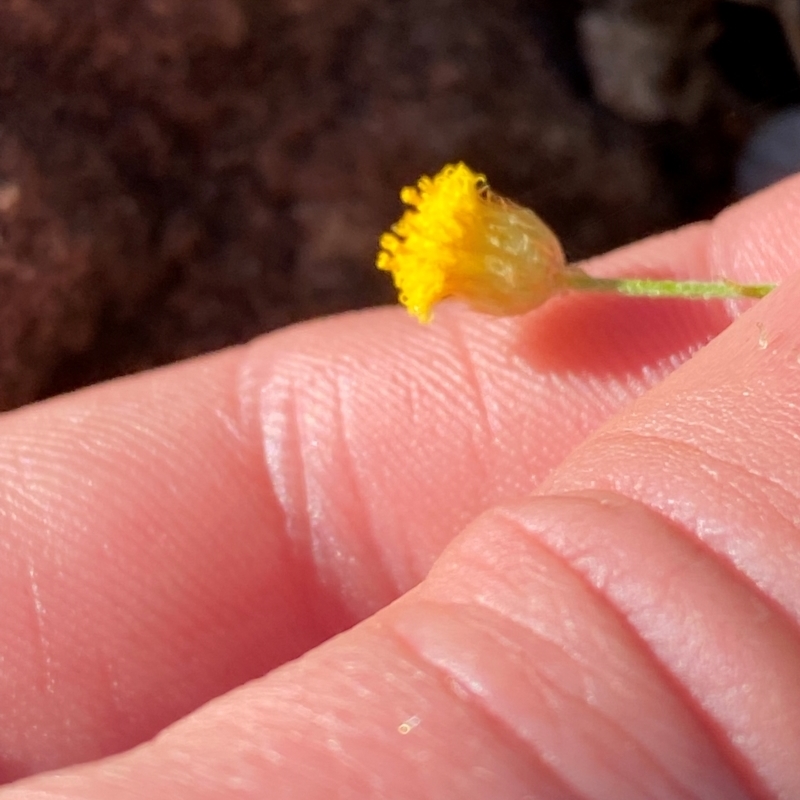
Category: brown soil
[179,175]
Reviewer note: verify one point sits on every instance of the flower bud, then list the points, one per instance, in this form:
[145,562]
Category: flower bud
[460,239]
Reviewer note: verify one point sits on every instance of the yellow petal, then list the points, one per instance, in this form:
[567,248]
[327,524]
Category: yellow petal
[458,238]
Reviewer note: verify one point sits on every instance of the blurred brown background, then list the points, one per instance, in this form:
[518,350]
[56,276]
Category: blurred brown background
[179,175]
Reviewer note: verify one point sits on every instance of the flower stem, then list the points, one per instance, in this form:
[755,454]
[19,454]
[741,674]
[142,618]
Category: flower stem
[654,287]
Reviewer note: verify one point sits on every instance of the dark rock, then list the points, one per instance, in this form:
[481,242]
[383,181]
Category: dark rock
[773,153]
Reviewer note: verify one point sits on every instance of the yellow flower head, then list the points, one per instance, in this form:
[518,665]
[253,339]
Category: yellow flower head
[458,238]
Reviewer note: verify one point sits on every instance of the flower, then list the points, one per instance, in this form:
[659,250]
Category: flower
[460,239]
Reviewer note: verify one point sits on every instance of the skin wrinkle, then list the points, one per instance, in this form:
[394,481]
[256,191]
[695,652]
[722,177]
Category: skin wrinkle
[329,520]
[718,731]
[782,421]
[285,413]
[675,686]
[555,689]
[636,486]
[549,692]
[687,521]
[705,462]
[251,425]
[501,729]
[666,678]
[521,620]
[760,485]
[375,554]
[282,455]
[430,375]
[276,455]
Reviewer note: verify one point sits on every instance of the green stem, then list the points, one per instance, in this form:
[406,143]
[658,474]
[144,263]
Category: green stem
[653,287]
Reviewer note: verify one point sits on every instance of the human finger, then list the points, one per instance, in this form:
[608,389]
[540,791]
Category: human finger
[588,642]
[175,534]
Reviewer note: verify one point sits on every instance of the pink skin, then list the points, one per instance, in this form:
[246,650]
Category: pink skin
[607,589]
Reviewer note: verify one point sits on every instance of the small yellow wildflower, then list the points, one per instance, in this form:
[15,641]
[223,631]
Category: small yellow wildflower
[458,238]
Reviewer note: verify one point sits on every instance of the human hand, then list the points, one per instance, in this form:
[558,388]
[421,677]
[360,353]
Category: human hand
[621,622]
